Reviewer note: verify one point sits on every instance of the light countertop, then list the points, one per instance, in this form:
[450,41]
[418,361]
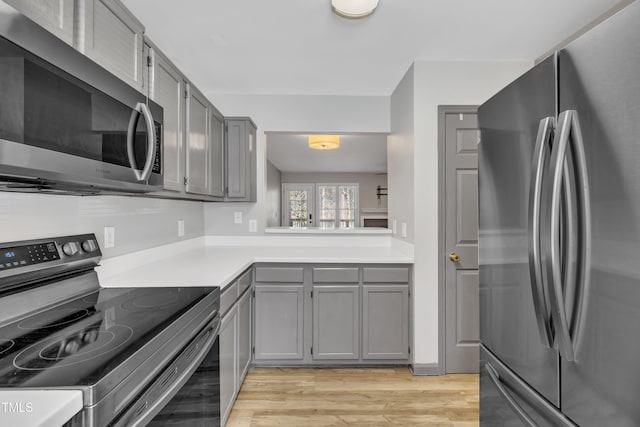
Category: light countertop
[204,263]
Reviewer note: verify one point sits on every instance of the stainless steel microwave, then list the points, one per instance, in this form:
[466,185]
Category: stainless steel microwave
[67,124]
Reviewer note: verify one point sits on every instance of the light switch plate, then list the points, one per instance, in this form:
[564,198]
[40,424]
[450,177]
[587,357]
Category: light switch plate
[109,237]
[394,229]
[180,227]
[404,229]
[253,225]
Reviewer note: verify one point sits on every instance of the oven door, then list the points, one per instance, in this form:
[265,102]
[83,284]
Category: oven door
[187,392]
[60,132]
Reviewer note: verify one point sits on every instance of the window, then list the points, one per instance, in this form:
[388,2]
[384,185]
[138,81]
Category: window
[337,205]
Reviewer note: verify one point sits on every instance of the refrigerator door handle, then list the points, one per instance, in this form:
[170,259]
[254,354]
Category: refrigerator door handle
[568,132]
[521,413]
[540,299]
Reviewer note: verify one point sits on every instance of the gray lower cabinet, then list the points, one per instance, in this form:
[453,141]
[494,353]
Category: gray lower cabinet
[279,323]
[228,363]
[235,340]
[314,314]
[385,321]
[336,322]
[244,336]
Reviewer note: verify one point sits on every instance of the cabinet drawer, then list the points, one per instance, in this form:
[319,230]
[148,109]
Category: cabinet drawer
[244,282]
[385,275]
[228,297]
[280,274]
[335,275]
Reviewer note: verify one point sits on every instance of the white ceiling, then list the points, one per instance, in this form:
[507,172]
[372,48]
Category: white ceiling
[301,47]
[357,153]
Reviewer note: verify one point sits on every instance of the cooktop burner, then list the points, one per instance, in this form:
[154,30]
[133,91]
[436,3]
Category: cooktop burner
[62,351]
[5,345]
[83,340]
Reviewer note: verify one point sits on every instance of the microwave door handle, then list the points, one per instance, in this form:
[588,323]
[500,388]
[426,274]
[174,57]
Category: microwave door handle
[540,300]
[141,108]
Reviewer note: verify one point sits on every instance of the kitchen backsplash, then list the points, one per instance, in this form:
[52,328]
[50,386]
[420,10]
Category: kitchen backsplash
[139,222]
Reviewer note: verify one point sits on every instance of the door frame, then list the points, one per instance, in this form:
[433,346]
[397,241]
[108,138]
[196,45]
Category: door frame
[443,110]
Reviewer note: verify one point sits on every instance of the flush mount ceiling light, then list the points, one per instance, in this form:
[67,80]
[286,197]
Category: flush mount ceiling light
[324,142]
[354,8]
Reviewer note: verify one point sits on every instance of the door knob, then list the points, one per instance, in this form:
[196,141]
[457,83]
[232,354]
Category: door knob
[454,257]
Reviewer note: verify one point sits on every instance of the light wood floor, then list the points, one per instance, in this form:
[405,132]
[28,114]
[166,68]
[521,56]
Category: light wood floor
[369,397]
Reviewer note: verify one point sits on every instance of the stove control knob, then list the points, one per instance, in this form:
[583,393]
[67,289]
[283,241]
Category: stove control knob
[90,245]
[70,248]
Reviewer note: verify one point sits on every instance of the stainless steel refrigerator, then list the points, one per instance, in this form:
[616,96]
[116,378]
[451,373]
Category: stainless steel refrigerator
[559,179]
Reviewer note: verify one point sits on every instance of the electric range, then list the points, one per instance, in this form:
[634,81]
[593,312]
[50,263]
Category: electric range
[128,349]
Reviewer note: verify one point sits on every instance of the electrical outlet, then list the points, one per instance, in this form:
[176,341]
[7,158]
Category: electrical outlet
[180,227]
[404,229]
[237,217]
[109,237]
[253,225]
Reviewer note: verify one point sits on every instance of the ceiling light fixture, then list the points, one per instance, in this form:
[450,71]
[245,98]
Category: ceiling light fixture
[324,142]
[354,9]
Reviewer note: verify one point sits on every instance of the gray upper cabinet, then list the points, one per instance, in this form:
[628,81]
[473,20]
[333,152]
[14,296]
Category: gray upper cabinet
[168,90]
[336,322]
[113,37]
[57,17]
[385,321]
[240,148]
[216,150]
[197,176]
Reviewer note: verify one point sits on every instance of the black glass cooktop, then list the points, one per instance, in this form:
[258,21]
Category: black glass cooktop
[77,343]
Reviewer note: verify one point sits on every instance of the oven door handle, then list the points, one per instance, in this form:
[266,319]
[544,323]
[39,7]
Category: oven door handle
[151,409]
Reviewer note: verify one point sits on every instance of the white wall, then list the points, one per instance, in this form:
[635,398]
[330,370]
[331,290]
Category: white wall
[400,157]
[289,113]
[440,83]
[140,223]
[274,184]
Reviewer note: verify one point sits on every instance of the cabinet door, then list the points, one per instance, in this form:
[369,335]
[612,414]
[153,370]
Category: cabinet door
[228,363]
[244,335]
[112,37]
[216,147]
[197,163]
[336,322]
[55,16]
[168,91]
[279,322]
[237,159]
[385,321]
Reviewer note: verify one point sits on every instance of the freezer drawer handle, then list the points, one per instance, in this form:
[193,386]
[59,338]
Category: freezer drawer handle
[493,374]
[578,235]
[540,299]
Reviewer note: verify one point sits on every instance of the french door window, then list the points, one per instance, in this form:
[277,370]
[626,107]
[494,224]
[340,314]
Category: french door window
[337,205]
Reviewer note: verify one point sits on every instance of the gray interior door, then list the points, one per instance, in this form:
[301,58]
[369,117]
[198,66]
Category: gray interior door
[461,136]
[599,79]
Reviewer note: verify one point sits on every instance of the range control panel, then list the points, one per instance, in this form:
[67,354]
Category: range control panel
[31,255]
[18,256]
